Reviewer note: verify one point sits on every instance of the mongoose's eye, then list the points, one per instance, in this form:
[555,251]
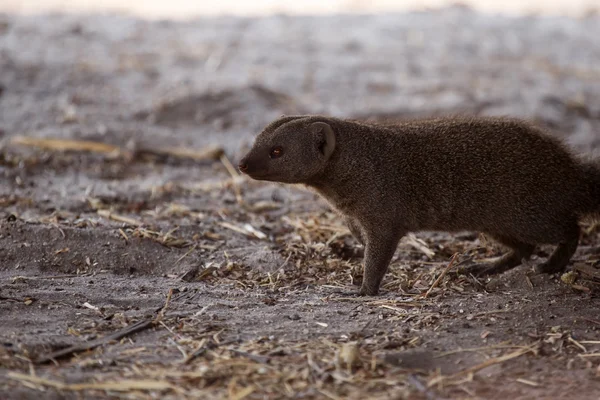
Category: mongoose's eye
[276,152]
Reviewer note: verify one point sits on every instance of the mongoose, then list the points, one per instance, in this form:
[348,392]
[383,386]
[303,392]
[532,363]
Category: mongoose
[502,177]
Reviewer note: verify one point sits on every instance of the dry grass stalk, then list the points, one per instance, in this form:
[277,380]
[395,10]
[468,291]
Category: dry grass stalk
[166,239]
[162,311]
[187,253]
[234,178]
[119,218]
[503,345]
[205,154]
[589,355]
[419,244]
[123,234]
[119,386]
[246,229]
[444,272]
[58,144]
[129,330]
[197,352]
[528,382]
[55,144]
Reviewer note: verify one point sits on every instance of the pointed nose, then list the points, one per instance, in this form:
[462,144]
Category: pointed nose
[243,165]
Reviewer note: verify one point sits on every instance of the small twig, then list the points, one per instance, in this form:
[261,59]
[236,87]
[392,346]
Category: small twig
[577,344]
[57,144]
[11,299]
[247,230]
[203,347]
[253,357]
[123,385]
[15,278]
[186,254]
[162,311]
[119,218]
[420,245]
[235,176]
[197,352]
[65,144]
[173,342]
[528,280]
[122,232]
[94,308]
[594,321]
[229,166]
[503,345]
[444,272]
[208,153]
[528,382]
[285,262]
[130,330]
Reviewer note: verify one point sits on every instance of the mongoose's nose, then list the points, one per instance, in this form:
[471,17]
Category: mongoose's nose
[243,165]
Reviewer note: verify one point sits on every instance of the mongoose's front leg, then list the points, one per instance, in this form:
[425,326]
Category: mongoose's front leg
[380,248]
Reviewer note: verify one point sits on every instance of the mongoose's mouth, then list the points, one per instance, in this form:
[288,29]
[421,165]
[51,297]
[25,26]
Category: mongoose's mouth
[258,176]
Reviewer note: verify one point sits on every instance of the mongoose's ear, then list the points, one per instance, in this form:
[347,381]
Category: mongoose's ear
[325,137]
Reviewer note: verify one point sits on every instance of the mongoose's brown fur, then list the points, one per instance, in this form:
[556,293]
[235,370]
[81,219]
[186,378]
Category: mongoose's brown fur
[498,176]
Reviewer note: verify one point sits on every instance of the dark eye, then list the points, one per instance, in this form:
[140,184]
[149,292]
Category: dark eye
[276,152]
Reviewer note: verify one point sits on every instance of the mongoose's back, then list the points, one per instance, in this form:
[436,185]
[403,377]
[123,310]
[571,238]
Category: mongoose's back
[486,174]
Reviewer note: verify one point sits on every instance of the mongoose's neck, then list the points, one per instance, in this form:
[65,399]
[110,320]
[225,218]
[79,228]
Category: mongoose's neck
[339,179]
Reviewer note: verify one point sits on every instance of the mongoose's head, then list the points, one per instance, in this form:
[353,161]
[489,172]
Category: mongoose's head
[290,150]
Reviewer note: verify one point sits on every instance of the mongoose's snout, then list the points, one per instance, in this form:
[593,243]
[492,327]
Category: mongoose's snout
[247,166]
[252,166]
[243,165]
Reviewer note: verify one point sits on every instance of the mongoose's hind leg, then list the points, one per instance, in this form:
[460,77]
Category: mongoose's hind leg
[380,246]
[559,260]
[519,251]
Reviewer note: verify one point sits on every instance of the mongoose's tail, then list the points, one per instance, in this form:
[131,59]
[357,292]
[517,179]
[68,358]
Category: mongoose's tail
[592,174]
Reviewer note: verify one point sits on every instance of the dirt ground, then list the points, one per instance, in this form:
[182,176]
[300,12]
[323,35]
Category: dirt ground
[240,289]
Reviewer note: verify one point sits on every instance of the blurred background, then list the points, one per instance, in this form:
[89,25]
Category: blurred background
[198,73]
[191,8]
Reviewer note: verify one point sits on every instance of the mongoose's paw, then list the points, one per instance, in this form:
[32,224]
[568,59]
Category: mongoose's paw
[368,291]
[549,267]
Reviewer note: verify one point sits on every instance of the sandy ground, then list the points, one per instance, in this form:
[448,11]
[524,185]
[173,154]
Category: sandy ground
[244,289]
